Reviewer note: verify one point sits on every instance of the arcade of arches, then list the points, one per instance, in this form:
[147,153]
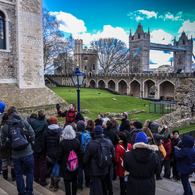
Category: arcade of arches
[149,88]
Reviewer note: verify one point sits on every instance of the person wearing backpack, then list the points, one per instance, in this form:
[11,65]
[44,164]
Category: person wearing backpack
[120,150]
[51,142]
[23,156]
[69,147]
[39,125]
[98,156]
[84,137]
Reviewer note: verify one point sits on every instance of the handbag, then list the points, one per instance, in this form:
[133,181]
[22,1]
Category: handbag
[162,150]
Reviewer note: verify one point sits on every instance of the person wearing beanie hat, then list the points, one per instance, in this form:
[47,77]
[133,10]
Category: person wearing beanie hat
[98,130]
[51,137]
[97,174]
[141,137]
[142,163]
[137,127]
[2,108]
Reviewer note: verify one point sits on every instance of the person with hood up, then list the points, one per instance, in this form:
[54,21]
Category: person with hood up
[69,142]
[142,163]
[51,137]
[158,136]
[186,162]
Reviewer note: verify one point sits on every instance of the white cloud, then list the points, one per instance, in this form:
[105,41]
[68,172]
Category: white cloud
[159,58]
[70,23]
[189,28]
[108,31]
[160,36]
[169,16]
[142,14]
[148,13]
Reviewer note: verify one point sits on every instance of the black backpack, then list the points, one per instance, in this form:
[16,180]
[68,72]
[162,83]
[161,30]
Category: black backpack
[103,155]
[18,136]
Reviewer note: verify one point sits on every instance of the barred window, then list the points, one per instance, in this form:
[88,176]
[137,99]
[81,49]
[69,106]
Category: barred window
[2,30]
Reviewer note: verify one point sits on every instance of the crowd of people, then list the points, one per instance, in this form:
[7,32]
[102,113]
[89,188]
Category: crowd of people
[92,153]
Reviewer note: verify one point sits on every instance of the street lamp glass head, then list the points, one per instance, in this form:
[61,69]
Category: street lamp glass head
[78,77]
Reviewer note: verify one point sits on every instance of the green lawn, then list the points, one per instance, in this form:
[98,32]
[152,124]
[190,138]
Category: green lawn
[103,102]
[185,129]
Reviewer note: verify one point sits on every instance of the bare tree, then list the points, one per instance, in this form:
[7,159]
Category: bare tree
[54,42]
[113,55]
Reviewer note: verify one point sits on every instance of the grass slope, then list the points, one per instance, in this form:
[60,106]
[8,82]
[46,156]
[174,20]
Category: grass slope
[103,102]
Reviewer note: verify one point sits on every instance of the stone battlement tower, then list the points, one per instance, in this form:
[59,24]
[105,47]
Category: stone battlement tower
[140,39]
[87,59]
[183,59]
[21,56]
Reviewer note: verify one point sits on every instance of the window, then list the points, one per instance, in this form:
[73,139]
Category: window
[2,30]
[85,58]
[93,66]
[85,67]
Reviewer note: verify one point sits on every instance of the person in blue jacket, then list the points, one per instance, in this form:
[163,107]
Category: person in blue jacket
[185,158]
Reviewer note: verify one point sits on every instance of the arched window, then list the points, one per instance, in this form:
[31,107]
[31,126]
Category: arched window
[2,31]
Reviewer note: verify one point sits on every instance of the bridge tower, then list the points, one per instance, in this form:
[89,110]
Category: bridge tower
[140,63]
[183,59]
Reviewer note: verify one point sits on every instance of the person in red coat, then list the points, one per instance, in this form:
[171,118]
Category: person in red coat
[120,150]
[166,162]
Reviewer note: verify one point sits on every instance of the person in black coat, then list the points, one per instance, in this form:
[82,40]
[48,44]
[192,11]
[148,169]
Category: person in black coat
[99,120]
[69,143]
[137,127]
[141,163]
[98,184]
[39,125]
[125,123]
[51,137]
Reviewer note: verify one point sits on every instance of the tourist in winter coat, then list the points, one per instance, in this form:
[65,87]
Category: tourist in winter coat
[186,162]
[167,159]
[51,140]
[141,163]
[109,133]
[125,123]
[175,141]
[158,136]
[69,143]
[6,154]
[137,127]
[120,150]
[90,159]
[90,128]
[115,126]
[39,125]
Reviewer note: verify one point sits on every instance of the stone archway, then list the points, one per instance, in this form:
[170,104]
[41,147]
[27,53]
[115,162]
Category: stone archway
[149,89]
[122,87]
[101,84]
[111,84]
[92,84]
[166,90]
[135,88]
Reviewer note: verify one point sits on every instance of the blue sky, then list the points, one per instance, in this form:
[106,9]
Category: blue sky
[91,20]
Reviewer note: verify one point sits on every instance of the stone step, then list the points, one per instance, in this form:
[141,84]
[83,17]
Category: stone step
[2,192]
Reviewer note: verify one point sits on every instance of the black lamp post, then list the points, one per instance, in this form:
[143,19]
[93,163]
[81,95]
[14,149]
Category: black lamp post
[78,78]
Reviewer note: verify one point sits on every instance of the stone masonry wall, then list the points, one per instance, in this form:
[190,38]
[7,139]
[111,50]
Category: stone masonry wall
[8,68]
[185,106]
[30,43]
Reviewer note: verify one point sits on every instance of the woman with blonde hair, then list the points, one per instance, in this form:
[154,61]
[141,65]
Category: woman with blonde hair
[149,135]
